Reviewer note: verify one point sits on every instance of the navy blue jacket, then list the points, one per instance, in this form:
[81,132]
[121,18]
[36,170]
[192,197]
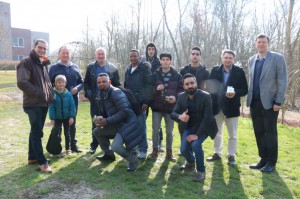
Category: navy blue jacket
[122,116]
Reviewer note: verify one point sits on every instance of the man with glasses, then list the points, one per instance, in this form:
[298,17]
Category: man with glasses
[33,80]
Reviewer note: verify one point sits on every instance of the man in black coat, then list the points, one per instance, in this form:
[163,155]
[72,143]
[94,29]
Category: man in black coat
[117,112]
[227,84]
[193,112]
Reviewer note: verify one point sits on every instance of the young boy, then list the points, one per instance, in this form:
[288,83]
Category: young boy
[167,85]
[62,109]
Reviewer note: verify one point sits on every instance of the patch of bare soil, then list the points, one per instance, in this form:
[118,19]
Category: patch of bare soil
[63,191]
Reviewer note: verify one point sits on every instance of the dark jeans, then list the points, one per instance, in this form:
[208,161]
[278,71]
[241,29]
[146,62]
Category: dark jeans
[73,140]
[37,116]
[265,130]
[94,110]
[57,127]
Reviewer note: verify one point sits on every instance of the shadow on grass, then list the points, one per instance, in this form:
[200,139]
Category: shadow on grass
[271,180]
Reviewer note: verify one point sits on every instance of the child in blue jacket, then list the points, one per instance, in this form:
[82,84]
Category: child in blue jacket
[62,110]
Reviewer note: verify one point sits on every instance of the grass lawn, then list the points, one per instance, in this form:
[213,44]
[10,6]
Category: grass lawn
[82,176]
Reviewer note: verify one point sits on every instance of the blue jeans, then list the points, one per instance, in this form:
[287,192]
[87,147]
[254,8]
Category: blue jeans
[117,146]
[143,146]
[187,149]
[37,116]
[94,110]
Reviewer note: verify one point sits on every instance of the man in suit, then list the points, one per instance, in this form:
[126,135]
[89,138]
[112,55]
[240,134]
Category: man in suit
[267,87]
[231,83]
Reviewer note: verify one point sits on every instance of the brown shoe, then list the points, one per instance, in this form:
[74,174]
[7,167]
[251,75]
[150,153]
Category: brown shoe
[187,166]
[214,157]
[45,168]
[154,154]
[170,156]
[32,162]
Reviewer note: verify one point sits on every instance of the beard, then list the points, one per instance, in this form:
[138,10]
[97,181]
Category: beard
[191,91]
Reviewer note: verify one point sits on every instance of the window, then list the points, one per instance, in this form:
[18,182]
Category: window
[17,57]
[18,42]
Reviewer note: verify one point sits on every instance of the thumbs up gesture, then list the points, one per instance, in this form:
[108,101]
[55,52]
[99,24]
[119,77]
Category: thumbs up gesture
[184,117]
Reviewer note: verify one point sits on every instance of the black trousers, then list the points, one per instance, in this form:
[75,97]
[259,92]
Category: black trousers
[265,130]
[57,127]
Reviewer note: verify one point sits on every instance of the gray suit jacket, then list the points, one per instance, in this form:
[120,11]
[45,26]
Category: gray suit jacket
[273,80]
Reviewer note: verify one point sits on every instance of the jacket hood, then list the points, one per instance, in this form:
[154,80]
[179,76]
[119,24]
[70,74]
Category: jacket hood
[146,53]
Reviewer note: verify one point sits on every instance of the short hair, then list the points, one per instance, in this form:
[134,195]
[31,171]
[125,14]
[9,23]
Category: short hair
[188,75]
[64,46]
[262,36]
[40,40]
[196,48]
[228,51]
[151,44]
[165,55]
[60,77]
[103,75]
[134,50]
[101,48]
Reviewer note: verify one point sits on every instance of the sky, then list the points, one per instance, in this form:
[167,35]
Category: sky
[64,20]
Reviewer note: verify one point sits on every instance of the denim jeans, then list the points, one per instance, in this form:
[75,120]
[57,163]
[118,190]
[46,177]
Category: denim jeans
[94,111]
[156,124]
[188,150]
[143,146]
[37,116]
[118,147]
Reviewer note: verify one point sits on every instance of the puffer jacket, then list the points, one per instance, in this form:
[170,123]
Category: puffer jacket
[34,81]
[122,116]
[63,106]
[159,103]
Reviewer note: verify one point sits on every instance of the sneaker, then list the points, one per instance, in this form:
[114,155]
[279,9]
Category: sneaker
[68,152]
[214,157]
[187,166]
[106,158]
[45,168]
[200,176]
[142,155]
[133,162]
[231,160]
[92,151]
[154,154]
[170,156]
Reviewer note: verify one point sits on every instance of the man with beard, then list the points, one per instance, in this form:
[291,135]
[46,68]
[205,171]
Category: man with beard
[193,112]
[118,112]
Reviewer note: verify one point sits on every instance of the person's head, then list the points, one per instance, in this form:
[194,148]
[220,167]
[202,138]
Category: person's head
[165,60]
[262,43]
[190,84]
[228,58]
[40,47]
[103,81]
[64,54]
[60,82]
[195,55]
[100,54]
[134,57]
[151,50]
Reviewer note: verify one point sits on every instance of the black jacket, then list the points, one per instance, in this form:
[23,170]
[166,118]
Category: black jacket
[122,116]
[206,121]
[217,89]
[140,83]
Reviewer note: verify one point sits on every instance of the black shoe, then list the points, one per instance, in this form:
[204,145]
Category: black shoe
[259,165]
[133,162]
[214,157]
[267,168]
[106,158]
[92,151]
[76,150]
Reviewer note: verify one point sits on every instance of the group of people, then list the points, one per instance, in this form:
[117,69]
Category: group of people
[201,101]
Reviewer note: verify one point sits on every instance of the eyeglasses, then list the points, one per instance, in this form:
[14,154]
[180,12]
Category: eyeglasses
[198,54]
[42,48]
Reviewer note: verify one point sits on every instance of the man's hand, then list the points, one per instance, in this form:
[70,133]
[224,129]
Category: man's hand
[230,95]
[276,107]
[74,90]
[184,117]
[144,107]
[171,99]
[102,122]
[191,138]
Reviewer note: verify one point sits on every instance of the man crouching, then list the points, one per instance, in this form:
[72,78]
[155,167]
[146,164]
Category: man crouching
[117,112]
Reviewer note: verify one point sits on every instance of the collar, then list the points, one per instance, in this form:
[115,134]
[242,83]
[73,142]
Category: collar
[261,58]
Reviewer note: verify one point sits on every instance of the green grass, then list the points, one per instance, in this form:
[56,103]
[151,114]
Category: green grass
[82,176]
